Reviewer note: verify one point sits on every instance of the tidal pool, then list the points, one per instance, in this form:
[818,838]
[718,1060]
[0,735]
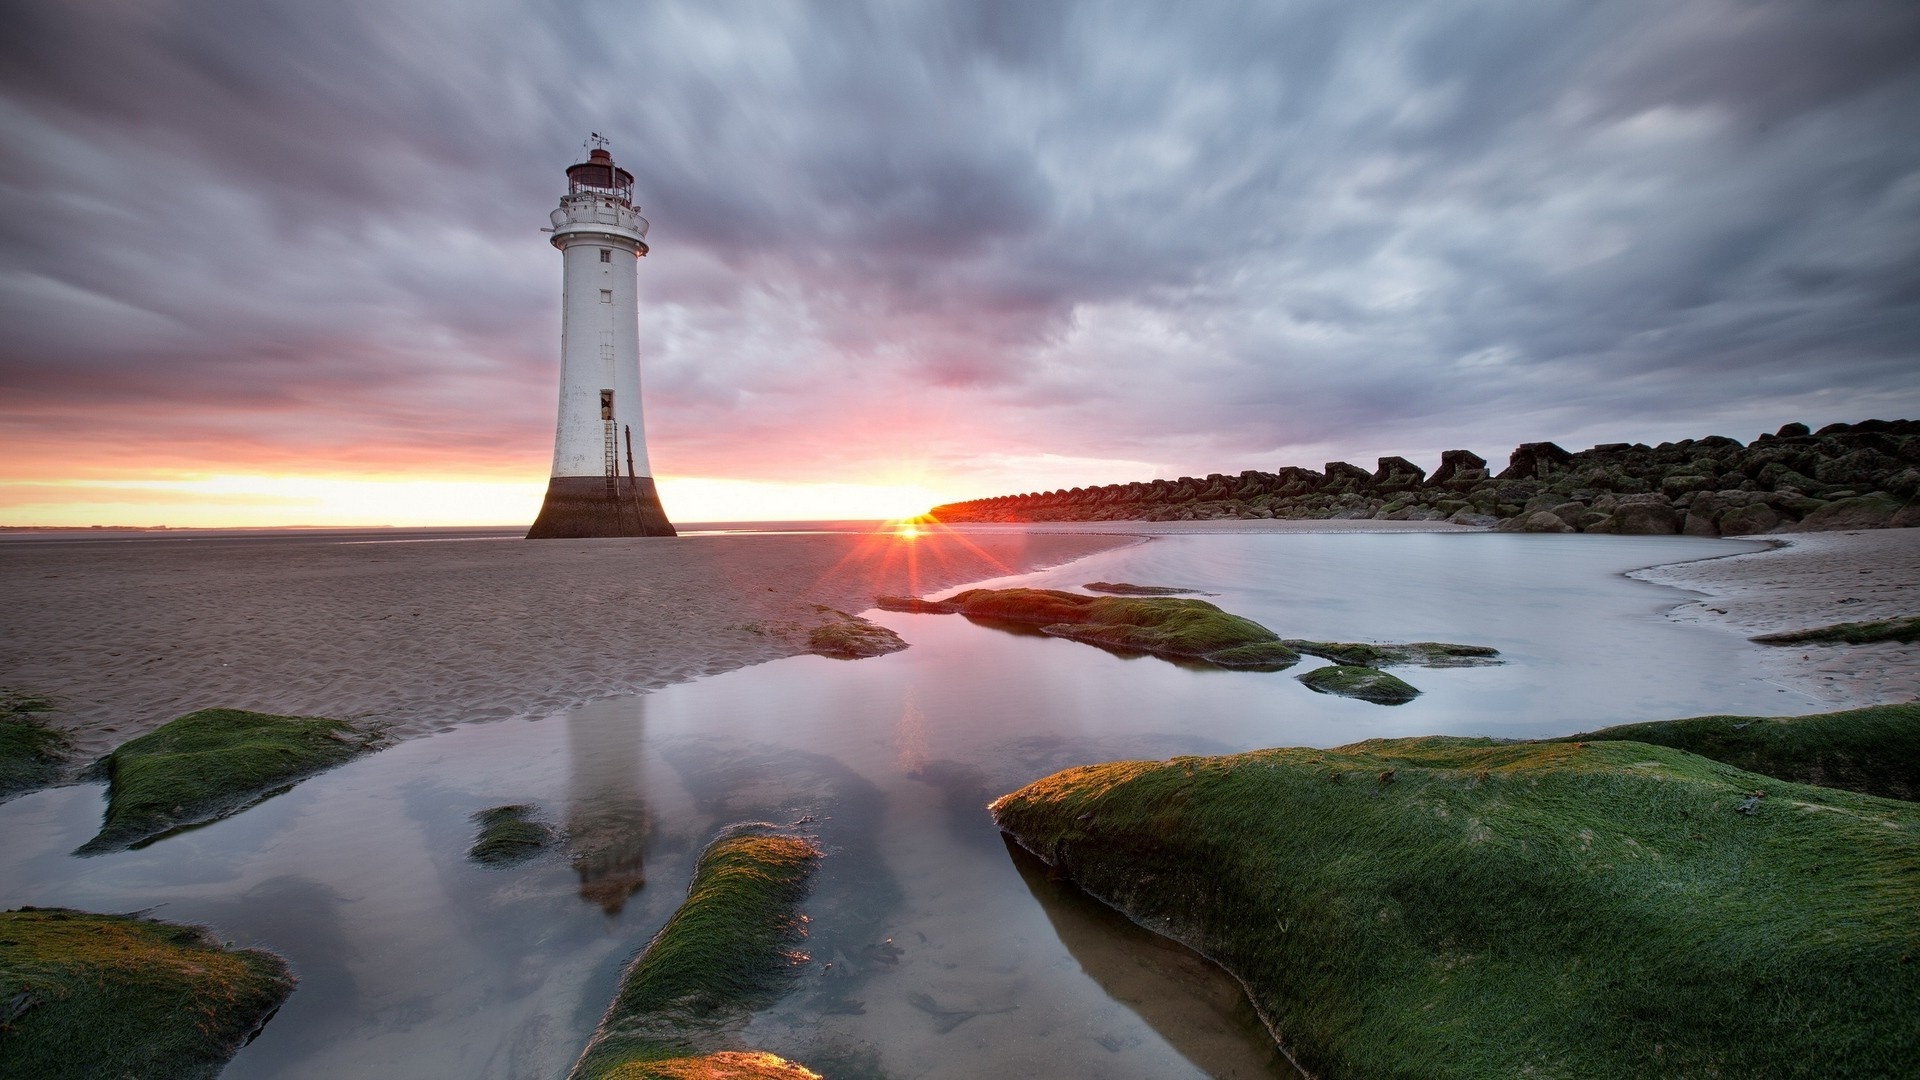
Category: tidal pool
[935,950]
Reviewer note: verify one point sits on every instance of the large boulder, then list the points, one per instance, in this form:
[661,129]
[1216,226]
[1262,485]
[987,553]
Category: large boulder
[1778,475]
[1698,523]
[1875,511]
[1536,461]
[1398,474]
[1646,515]
[1455,465]
[1746,520]
[1684,484]
[1254,484]
[1293,480]
[1345,477]
[1863,468]
[1614,477]
[1546,500]
[1570,512]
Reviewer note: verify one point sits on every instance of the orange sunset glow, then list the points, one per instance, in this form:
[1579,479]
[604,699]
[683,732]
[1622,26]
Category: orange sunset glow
[260,500]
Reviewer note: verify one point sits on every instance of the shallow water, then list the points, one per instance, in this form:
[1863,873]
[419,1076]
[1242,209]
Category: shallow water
[936,952]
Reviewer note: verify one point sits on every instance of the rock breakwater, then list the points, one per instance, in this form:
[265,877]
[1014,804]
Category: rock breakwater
[1843,476]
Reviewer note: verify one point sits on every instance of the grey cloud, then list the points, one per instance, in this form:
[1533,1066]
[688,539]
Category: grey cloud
[1142,232]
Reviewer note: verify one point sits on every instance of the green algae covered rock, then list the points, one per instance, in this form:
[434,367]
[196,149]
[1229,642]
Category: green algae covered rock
[1448,907]
[89,996]
[1185,635]
[1365,683]
[1175,628]
[1874,751]
[31,753]
[212,764]
[509,834]
[1422,653]
[725,1065]
[1124,588]
[850,637]
[1875,510]
[1904,628]
[727,951]
[1255,656]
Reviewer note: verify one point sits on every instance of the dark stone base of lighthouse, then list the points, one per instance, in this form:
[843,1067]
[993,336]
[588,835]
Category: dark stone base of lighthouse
[583,506]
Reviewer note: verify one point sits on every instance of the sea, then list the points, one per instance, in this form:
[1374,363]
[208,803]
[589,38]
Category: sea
[934,948]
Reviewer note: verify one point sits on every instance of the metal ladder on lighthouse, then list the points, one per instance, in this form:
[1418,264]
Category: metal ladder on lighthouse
[620,507]
[613,463]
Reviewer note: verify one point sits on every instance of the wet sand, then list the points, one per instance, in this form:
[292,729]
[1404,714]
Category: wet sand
[422,636]
[1809,580]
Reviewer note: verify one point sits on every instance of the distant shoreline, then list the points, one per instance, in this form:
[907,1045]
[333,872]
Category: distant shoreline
[1844,476]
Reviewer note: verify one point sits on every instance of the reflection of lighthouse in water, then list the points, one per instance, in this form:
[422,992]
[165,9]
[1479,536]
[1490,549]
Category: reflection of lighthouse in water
[607,820]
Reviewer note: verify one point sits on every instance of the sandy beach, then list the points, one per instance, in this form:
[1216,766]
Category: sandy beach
[422,636]
[1808,580]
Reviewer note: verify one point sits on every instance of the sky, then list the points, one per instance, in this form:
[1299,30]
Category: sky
[279,263]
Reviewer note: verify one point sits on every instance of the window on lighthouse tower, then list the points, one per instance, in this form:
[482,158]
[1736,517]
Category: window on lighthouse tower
[605,255]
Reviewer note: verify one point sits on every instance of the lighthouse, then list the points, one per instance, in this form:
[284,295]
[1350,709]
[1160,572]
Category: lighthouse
[601,484]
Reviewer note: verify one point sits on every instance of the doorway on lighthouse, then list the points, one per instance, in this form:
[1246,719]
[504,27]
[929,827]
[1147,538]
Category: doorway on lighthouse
[606,404]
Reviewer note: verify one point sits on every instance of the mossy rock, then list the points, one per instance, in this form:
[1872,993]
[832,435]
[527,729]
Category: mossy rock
[850,637]
[1258,656]
[726,1065]
[912,605]
[88,996]
[1447,907]
[1422,653]
[1123,588]
[32,754]
[1365,683]
[1183,636]
[1906,628]
[1875,510]
[212,764]
[1168,627]
[1175,628]
[1044,607]
[509,835]
[1874,751]
[725,953]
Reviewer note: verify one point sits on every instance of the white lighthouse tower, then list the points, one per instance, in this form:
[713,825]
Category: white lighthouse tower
[601,484]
